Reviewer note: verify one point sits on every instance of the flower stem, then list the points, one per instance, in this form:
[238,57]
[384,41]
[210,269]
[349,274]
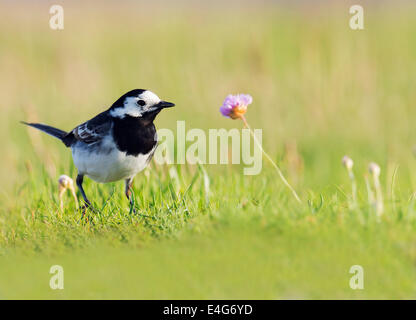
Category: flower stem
[279,172]
[369,191]
[354,187]
[379,197]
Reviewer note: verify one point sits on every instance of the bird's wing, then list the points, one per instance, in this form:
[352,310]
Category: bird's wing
[93,130]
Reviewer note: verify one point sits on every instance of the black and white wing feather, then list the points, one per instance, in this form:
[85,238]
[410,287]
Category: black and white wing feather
[92,131]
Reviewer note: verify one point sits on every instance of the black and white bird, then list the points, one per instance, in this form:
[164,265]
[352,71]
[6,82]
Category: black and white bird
[116,144]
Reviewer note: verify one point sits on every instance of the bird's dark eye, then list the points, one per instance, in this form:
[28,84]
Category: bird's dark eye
[141,102]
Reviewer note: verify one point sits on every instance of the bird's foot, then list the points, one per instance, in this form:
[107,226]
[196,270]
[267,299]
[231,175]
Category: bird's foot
[133,209]
[85,207]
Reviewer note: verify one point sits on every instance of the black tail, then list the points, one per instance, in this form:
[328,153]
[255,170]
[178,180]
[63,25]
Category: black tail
[54,132]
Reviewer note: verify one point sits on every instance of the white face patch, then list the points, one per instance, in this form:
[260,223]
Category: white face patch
[132,108]
[150,98]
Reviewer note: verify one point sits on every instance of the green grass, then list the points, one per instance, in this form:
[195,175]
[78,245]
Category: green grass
[316,84]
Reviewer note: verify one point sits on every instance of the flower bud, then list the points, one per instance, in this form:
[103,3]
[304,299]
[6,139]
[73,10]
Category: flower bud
[347,162]
[65,182]
[374,169]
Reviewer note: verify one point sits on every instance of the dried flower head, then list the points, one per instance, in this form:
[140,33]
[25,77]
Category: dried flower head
[374,169]
[347,162]
[66,183]
[235,106]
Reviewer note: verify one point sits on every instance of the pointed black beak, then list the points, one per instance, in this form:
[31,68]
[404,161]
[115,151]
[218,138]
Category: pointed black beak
[164,104]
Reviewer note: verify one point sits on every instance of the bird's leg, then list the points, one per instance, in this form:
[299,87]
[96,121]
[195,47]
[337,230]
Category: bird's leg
[80,179]
[129,191]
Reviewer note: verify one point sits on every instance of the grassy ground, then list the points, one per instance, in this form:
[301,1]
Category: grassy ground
[320,91]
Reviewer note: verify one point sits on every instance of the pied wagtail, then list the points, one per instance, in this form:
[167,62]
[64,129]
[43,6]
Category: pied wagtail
[116,144]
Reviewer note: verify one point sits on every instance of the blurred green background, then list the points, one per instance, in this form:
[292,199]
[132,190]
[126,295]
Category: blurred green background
[320,90]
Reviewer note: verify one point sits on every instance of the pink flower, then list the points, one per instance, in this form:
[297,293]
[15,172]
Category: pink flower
[234,106]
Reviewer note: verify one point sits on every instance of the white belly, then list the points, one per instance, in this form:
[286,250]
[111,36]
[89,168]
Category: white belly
[109,166]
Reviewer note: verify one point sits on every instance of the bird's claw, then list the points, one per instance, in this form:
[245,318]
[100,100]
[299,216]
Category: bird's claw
[89,207]
[133,209]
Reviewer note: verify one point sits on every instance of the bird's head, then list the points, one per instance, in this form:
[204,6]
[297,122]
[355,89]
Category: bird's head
[138,103]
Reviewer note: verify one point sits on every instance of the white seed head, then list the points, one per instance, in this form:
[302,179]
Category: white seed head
[65,182]
[374,169]
[347,162]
